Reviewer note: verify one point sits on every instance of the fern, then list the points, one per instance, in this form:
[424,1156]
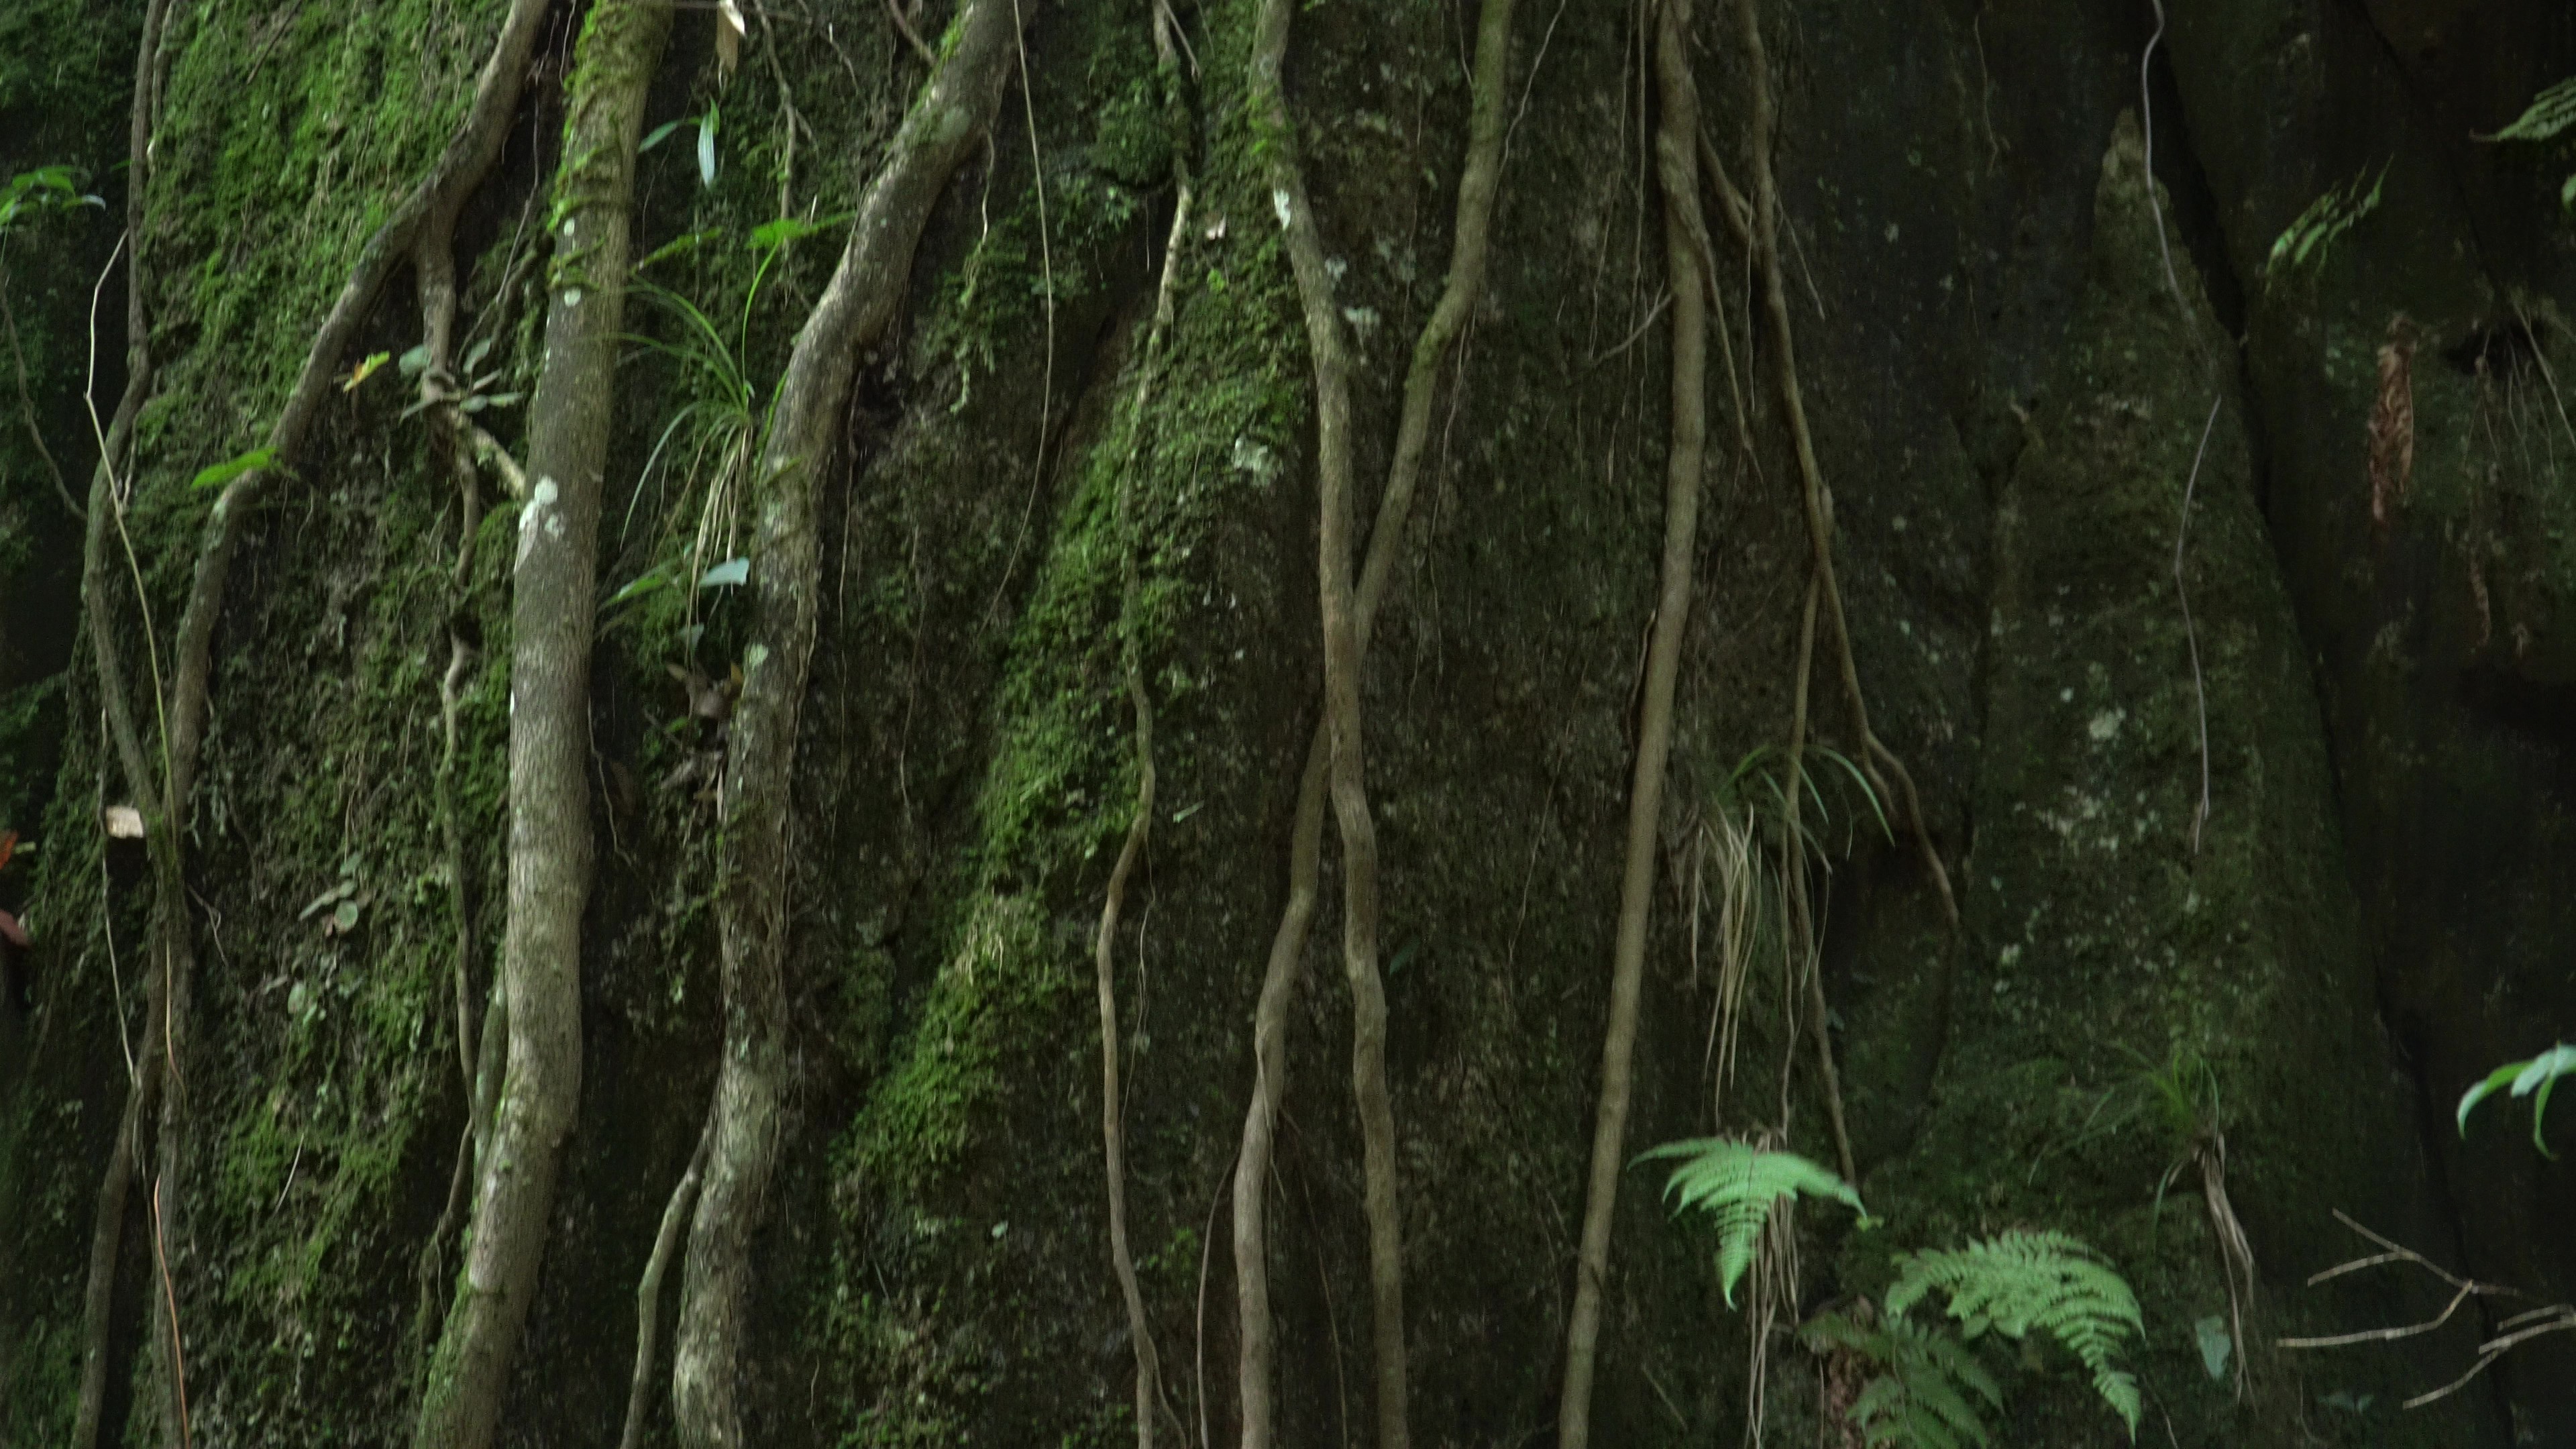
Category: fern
[2550,112]
[1919,1400]
[2311,239]
[2019,1281]
[1739,1184]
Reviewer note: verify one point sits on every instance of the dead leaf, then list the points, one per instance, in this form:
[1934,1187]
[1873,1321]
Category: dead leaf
[124,822]
[729,33]
[8,847]
[13,933]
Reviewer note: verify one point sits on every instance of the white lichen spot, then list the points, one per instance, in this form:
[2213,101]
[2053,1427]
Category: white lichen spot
[2066,696]
[2106,724]
[568,225]
[541,504]
[1279,203]
[572,296]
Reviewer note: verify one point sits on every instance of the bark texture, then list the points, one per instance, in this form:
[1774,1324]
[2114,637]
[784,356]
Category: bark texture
[759,795]
[555,579]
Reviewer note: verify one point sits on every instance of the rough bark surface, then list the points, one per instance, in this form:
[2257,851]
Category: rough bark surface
[555,580]
[759,795]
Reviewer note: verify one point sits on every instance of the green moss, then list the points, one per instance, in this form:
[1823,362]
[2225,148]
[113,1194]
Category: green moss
[288,138]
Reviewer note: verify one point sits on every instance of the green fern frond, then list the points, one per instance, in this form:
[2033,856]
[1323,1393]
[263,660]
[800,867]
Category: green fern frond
[1738,1184]
[2020,1281]
[1920,1400]
[2550,112]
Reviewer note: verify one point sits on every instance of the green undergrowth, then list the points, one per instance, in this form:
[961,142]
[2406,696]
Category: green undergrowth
[289,136]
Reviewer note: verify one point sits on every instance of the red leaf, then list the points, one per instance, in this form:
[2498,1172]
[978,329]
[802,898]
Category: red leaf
[13,933]
[8,844]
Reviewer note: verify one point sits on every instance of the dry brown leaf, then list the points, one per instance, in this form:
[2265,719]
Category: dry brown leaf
[729,33]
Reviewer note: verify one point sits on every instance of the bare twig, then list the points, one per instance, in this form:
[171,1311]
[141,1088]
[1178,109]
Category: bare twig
[911,37]
[2190,630]
[27,402]
[2515,1331]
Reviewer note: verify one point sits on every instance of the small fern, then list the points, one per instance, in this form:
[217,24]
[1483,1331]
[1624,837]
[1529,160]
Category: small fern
[2550,112]
[1739,1184]
[2019,1281]
[1919,1399]
[2311,239]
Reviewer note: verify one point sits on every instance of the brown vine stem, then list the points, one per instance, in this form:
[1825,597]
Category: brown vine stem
[1346,772]
[1478,184]
[1874,753]
[1793,871]
[1139,830]
[108,1229]
[170,1297]
[554,582]
[648,1289]
[1684,247]
[856,307]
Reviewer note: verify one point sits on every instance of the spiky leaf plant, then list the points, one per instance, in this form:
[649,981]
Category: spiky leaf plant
[1919,1398]
[2019,1281]
[2541,1072]
[1739,1184]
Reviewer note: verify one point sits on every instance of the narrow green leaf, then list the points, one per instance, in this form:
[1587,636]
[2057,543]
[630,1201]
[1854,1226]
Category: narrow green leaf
[231,468]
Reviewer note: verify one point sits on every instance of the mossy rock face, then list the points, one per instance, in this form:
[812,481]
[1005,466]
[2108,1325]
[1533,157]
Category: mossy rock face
[2113,932]
[2010,406]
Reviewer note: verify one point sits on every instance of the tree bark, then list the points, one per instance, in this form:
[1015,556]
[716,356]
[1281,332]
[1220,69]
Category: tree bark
[554,578]
[752,905]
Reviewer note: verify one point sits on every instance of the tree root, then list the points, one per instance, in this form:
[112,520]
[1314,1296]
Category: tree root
[108,1229]
[1477,185]
[1875,756]
[1801,922]
[648,1289]
[1684,246]
[752,914]
[555,578]
[1139,830]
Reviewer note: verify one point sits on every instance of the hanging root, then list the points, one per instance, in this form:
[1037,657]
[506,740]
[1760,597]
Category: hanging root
[1799,935]
[754,877]
[648,1289]
[108,1228]
[1684,248]
[1346,772]
[1476,190]
[1875,756]
[1112,1102]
